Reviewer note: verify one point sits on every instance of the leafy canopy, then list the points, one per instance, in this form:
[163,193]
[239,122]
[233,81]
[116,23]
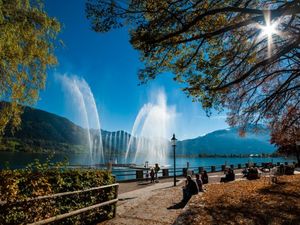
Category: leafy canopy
[286,133]
[224,52]
[26,51]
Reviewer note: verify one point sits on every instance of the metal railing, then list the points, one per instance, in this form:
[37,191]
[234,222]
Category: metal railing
[140,174]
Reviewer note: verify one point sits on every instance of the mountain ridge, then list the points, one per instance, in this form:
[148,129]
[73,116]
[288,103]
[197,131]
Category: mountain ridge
[42,131]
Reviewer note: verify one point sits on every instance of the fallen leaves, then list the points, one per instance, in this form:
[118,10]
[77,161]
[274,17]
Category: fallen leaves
[247,202]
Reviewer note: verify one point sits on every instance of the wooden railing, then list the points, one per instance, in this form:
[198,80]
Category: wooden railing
[74,212]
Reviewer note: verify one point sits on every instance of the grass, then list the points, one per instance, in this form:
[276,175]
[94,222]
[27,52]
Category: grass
[247,202]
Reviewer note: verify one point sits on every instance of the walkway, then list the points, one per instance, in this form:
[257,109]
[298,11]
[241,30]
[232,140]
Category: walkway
[149,205]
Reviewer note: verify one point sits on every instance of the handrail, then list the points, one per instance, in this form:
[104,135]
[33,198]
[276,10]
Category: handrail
[72,213]
[63,193]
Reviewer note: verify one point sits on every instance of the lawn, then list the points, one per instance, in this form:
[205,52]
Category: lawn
[246,202]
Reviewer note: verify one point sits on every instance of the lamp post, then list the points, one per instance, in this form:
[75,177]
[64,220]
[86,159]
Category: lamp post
[173,142]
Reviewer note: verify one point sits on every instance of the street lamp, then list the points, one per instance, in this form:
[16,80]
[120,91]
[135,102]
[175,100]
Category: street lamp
[173,142]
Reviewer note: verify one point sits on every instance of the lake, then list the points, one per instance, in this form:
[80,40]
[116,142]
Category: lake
[21,159]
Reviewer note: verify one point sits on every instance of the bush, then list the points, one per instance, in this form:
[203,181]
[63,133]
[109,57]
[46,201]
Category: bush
[18,186]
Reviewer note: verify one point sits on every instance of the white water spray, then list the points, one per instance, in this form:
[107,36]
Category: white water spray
[83,100]
[151,132]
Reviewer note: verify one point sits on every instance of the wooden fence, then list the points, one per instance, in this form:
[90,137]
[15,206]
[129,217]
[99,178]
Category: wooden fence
[74,212]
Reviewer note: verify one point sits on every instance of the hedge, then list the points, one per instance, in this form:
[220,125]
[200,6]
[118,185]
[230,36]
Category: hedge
[17,186]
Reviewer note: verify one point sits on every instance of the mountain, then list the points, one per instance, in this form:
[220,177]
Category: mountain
[228,141]
[42,131]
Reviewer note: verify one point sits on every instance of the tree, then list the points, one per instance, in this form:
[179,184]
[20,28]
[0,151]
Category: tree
[26,51]
[239,54]
[286,133]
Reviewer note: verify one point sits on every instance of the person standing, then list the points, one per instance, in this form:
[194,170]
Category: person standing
[156,169]
[152,175]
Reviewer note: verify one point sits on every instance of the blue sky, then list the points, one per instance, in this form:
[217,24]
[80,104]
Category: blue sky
[109,65]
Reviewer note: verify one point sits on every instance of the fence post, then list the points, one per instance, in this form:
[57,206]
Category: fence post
[239,166]
[165,172]
[109,166]
[213,168]
[232,166]
[184,172]
[115,205]
[246,165]
[201,169]
[223,167]
[139,174]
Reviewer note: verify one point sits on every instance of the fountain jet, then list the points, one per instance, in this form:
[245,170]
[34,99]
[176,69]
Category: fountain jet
[151,131]
[84,102]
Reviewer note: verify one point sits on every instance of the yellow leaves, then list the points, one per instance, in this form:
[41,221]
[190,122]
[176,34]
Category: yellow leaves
[26,50]
[247,202]
[252,59]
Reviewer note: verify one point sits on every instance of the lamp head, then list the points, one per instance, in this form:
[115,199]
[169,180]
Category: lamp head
[173,140]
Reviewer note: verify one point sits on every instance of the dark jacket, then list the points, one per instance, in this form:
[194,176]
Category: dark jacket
[192,187]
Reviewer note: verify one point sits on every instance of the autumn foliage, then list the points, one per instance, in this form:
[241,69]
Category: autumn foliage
[246,202]
[286,133]
[27,41]
[18,187]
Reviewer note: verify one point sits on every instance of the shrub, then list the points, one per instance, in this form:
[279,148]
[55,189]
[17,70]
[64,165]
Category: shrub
[18,186]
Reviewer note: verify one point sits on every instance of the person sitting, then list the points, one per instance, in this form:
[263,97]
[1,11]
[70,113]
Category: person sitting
[204,177]
[189,189]
[245,172]
[199,182]
[252,173]
[229,176]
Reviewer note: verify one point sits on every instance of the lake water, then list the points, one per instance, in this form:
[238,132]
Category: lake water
[21,159]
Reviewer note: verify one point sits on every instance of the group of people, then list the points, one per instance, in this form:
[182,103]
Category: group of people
[193,187]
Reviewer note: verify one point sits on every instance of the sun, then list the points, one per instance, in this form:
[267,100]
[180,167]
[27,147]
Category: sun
[268,30]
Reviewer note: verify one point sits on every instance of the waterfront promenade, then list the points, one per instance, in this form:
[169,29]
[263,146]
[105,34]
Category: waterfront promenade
[145,203]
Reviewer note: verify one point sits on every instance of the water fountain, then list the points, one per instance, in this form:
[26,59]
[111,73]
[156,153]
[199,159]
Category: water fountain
[151,131]
[83,100]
